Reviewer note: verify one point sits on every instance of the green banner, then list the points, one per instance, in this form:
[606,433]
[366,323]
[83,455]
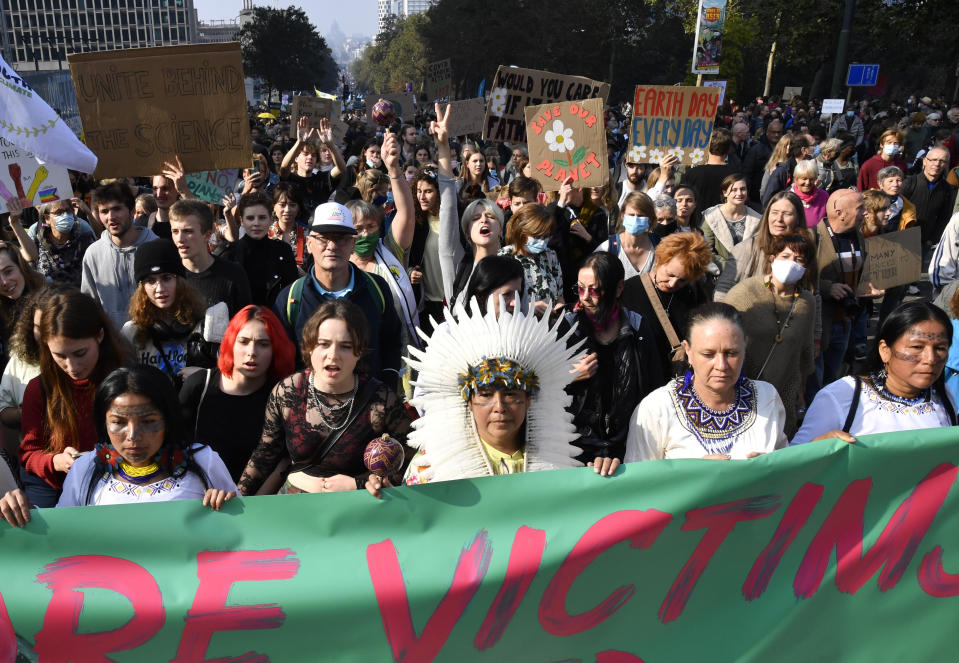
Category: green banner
[666,561]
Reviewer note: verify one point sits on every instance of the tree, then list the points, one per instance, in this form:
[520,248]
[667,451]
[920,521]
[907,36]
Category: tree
[282,47]
[395,58]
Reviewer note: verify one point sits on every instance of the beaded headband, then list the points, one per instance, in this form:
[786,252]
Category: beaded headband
[497,372]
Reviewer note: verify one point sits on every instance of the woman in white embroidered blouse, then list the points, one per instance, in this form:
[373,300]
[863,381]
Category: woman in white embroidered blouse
[141,456]
[902,387]
[712,412]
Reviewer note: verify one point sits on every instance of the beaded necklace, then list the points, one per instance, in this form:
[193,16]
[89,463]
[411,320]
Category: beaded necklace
[137,475]
[877,381]
[715,430]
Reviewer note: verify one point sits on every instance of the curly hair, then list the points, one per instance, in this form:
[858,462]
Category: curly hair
[690,248]
[188,309]
[23,342]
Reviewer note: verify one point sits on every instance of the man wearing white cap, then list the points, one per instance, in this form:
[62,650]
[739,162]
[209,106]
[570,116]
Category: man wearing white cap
[330,243]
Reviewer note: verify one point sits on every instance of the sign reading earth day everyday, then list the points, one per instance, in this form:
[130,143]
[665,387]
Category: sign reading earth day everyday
[672,119]
[827,552]
[567,140]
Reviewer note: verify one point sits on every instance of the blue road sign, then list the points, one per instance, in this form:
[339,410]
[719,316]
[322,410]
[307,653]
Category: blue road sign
[864,75]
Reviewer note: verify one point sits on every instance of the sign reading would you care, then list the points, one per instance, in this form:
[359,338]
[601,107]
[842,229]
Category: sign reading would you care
[514,89]
[143,106]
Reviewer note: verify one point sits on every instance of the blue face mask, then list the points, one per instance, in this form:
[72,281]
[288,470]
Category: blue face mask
[816,151]
[389,198]
[635,225]
[64,222]
[535,245]
[378,201]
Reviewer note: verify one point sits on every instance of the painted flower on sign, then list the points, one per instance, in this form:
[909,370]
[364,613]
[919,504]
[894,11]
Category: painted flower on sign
[498,102]
[655,155]
[637,154]
[696,156]
[676,152]
[559,138]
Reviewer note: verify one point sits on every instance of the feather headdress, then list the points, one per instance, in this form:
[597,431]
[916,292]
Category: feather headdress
[447,433]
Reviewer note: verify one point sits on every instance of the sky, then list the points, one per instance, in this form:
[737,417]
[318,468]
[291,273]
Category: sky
[354,16]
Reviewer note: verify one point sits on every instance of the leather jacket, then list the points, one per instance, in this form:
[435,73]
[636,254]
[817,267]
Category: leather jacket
[603,405]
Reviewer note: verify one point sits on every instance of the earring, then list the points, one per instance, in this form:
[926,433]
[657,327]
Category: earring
[687,379]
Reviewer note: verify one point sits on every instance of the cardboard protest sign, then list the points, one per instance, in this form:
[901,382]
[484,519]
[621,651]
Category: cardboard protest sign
[791,91]
[892,259]
[439,80]
[143,106]
[513,89]
[23,177]
[467,116]
[824,552]
[315,108]
[567,140]
[672,119]
[212,185]
[311,107]
[404,103]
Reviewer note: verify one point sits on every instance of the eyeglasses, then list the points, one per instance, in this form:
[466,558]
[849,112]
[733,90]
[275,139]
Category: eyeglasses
[154,281]
[589,291]
[335,240]
[487,399]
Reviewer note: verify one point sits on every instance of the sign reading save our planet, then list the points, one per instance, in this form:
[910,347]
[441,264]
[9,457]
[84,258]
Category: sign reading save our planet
[567,140]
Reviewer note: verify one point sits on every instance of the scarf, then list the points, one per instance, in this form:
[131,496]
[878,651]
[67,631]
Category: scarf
[806,198]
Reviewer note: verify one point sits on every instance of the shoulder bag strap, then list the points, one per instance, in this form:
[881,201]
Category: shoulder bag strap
[199,404]
[657,305]
[854,406]
[362,397]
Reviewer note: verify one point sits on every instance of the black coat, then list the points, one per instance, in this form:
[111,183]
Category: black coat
[933,206]
[603,405]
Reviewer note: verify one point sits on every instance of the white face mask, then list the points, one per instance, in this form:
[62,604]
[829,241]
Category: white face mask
[787,272]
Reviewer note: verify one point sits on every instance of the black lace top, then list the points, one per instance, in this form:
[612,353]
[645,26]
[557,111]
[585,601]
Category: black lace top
[294,428]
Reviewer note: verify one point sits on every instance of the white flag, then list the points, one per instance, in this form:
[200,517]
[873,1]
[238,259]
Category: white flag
[28,122]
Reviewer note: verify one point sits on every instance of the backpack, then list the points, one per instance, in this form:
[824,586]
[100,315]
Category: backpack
[296,296]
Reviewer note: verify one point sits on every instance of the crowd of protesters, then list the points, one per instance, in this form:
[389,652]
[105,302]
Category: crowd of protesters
[358,279]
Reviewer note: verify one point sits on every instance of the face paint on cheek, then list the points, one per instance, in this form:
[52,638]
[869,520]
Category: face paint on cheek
[903,356]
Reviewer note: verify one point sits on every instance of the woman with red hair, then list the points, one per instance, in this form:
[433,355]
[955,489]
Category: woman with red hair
[224,406]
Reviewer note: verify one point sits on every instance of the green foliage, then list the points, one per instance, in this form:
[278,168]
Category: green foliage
[282,47]
[628,42]
[397,56]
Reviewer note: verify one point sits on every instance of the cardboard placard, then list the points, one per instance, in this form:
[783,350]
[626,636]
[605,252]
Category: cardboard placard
[439,80]
[672,119]
[467,117]
[892,259]
[23,177]
[513,89]
[567,140]
[212,185]
[791,91]
[833,105]
[721,85]
[143,106]
[404,103]
[314,109]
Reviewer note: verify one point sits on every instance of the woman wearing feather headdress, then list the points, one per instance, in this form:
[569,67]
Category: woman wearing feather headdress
[491,387]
